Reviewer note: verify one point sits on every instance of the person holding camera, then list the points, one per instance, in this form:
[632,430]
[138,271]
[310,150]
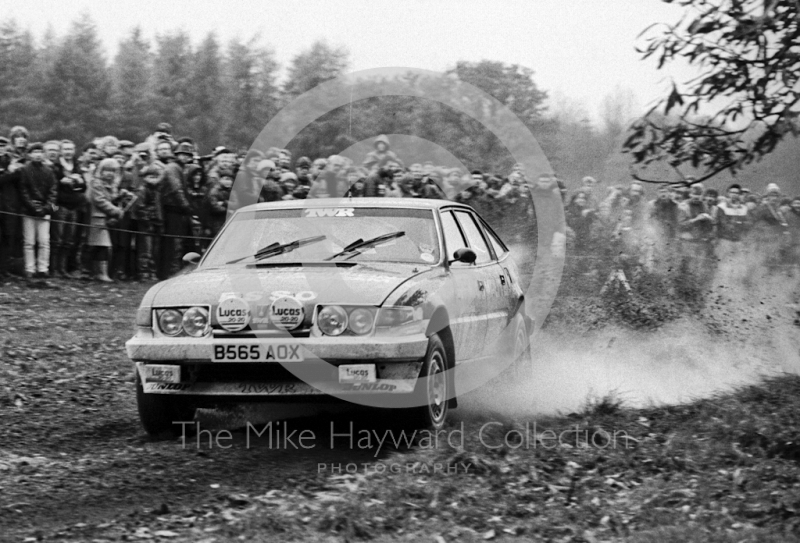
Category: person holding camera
[38,191]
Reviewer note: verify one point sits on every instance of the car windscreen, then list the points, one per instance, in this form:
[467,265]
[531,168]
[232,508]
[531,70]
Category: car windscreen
[249,232]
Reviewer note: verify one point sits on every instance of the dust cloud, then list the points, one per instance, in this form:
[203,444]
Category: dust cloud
[745,328]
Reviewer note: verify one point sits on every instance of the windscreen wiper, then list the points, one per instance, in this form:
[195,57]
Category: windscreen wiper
[361,244]
[280,248]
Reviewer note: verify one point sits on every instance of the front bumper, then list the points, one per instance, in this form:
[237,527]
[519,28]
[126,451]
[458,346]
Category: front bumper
[145,347]
[398,361]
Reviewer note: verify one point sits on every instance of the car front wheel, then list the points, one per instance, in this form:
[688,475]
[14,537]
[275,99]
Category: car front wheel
[433,387]
[158,412]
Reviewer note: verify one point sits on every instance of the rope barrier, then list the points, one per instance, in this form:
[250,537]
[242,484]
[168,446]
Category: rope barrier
[109,228]
[608,259]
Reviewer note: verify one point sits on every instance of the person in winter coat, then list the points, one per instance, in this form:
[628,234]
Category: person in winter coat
[196,189]
[38,192]
[270,188]
[216,202]
[580,219]
[432,187]
[770,227]
[177,212]
[148,214]
[696,231]
[71,200]
[733,218]
[105,213]
[381,155]
[9,203]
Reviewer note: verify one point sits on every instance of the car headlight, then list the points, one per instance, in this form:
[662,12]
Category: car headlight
[332,320]
[170,321]
[360,320]
[195,321]
[191,321]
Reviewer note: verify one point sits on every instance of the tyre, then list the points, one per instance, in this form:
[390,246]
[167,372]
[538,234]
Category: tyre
[521,368]
[433,388]
[158,411]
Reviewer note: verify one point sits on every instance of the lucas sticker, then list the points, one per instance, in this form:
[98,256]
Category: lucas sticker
[286,313]
[233,314]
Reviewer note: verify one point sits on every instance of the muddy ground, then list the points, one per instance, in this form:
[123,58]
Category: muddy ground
[75,463]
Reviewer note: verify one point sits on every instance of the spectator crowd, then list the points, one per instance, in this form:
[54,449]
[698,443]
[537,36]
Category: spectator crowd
[686,230]
[125,211]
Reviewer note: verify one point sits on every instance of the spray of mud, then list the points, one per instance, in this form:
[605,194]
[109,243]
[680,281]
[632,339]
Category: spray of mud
[745,328]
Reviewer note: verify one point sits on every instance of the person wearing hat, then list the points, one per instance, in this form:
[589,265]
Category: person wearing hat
[288,183]
[302,169]
[177,212]
[38,193]
[184,152]
[770,227]
[126,147]
[217,201]
[270,190]
[769,212]
[148,213]
[285,160]
[432,187]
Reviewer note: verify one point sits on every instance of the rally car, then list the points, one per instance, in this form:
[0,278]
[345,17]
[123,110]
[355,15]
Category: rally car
[384,302]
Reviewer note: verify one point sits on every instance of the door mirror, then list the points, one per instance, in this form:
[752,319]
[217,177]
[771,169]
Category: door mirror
[465,255]
[191,258]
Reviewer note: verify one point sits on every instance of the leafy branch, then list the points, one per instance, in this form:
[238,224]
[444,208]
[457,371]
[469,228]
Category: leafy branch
[748,54]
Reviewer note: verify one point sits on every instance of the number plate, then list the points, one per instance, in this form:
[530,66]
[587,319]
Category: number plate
[257,352]
[162,373]
[357,373]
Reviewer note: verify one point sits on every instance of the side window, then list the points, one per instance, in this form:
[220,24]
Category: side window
[452,235]
[499,249]
[476,241]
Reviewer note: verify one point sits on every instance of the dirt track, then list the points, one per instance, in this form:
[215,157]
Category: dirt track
[71,447]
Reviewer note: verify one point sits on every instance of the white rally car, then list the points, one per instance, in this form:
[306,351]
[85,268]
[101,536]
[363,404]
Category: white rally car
[379,301]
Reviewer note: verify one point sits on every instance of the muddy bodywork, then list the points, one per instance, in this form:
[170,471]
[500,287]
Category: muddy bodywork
[444,300]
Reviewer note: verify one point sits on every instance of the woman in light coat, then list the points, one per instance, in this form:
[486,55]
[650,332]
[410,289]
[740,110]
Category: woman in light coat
[105,213]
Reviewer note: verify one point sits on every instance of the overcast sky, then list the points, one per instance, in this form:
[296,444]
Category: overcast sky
[580,49]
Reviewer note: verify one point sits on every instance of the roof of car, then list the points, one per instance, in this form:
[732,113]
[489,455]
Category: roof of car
[397,203]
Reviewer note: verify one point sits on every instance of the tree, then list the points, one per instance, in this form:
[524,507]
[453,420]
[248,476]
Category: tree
[76,91]
[18,99]
[171,71]
[250,91]
[133,98]
[318,64]
[743,103]
[205,93]
[510,84]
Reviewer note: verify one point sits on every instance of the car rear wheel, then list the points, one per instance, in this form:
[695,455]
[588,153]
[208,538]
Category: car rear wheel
[158,412]
[521,368]
[433,387]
